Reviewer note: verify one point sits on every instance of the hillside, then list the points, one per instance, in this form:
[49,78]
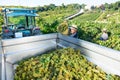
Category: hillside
[49,20]
[89,24]
[109,16]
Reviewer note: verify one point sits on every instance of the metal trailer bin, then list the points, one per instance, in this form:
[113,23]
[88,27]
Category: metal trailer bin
[14,50]
[0,61]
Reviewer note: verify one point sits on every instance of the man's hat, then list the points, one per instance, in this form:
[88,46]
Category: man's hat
[74,26]
[104,30]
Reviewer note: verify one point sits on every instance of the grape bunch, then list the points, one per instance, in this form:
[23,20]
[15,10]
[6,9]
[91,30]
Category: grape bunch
[63,28]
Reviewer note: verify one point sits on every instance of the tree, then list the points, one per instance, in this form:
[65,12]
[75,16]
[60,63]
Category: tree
[117,5]
[92,7]
[107,6]
[51,6]
[83,6]
[63,6]
[102,7]
[77,6]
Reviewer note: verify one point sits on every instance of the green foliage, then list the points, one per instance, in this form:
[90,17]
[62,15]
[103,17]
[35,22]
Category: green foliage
[1,21]
[91,31]
[110,16]
[61,64]
[114,37]
[89,24]
[110,7]
[49,20]
[52,7]
[89,16]
[47,27]
[17,20]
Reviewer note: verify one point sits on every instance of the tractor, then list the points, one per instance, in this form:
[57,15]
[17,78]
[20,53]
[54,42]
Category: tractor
[25,25]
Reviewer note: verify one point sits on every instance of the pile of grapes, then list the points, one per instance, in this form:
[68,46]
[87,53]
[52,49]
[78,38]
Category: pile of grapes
[61,64]
[63,28]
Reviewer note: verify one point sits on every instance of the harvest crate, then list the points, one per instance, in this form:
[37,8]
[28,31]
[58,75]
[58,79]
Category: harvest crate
[14,50]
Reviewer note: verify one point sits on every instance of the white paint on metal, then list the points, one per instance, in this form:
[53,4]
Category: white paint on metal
[74,15]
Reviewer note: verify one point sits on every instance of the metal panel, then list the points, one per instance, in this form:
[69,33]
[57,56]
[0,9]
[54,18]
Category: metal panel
[0,59]
[29,50]
[9,71]
[18,49]
[21,48]
[3,68]
[101,56]
[12,58]
[93,47]
[14,49]
[0,71]
[23,40]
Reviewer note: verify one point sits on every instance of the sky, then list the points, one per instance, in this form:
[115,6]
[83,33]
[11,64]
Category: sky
[33,3]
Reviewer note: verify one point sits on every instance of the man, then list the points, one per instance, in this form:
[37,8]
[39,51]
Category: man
[73,31]
[104,35]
